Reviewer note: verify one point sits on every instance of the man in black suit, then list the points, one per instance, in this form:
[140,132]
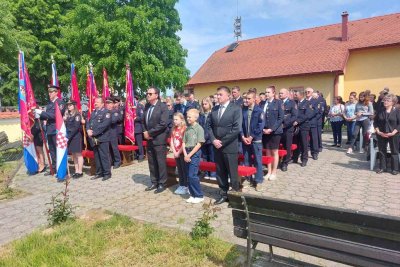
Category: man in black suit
[139,129]
[236,98]
[224,127]
[155,122]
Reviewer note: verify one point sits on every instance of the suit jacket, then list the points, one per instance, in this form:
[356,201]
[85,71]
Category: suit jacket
[256,123]
[203,123]
[387,123]
[50,115]
[315,112]
[238,101]
[227,128]
[304,115]
[290,113]
[157,124]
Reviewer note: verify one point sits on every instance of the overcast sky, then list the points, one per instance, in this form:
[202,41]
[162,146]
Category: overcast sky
[208,24]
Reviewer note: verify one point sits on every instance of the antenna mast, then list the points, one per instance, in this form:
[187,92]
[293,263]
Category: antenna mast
[237,25]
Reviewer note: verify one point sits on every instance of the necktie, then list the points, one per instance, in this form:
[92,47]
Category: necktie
[221,108]
[149,114]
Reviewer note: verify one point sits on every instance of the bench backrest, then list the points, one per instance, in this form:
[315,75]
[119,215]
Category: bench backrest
[342,235]
[3,138]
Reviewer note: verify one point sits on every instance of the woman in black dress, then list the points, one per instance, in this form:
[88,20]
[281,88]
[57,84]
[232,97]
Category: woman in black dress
[38,142]
[74,134]
[387,128]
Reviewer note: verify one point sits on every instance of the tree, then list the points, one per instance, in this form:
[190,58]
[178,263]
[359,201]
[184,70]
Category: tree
[112,33]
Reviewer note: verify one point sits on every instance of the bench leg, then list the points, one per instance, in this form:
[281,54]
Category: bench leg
[251,246]
[271,253]
[126,158]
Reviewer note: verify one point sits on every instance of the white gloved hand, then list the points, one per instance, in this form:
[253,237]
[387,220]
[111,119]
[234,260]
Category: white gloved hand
[37,116]
[38,111]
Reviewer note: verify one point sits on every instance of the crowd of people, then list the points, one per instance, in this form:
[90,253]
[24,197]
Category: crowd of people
[218,129]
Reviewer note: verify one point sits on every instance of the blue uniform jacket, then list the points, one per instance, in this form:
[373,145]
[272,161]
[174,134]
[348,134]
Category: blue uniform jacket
[321,109]
[314,118]
[305,113]
[289,114]
[256,123]
[115,119]
[99,123]
[139,118]
[73,126]
[50,115]
[274,116]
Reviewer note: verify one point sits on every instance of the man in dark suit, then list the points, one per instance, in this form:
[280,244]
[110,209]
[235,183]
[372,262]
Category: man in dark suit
[115,119]
[49,115]
[236,98]
[99,133]
[313,123]
[155,122]
[224,127]
[289,117]
[139,129]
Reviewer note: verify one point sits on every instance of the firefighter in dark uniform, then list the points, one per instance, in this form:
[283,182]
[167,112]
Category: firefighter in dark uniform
[120,124]
[321,111]
[305,113]
[313,123]
[98,130]
[73,126]
[139,129]
[289,117]
[49,116]
[115,119]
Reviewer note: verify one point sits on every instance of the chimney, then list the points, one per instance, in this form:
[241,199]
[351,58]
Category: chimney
[345,19]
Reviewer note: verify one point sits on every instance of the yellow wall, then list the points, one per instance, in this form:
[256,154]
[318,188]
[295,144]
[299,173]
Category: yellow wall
[12,128]
[373,69]
[321,82]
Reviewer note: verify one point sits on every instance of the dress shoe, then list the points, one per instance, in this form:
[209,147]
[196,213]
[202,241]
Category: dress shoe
[303,164]
[395,172]
[106,177]
[140,160]
[47,173]
[380,171]
[160,189]
[77,175]
[315,157]
[284,168]
[333,145]
[151,187]
[295,161]
[117,166]
[221,200]
[97,176]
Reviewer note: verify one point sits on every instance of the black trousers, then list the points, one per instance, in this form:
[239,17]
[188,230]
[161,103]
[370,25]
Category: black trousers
[157,158]
[287,140]
[115,155]
[319,131]
[302,142]
[139,143]
[102,158]
[51,139]
[314,141]
[394,151]
[227,166]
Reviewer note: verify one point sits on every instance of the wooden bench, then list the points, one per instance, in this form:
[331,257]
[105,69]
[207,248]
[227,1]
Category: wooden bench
[89,154]
[265,159]
[127,155]
[345,236]
[5,145]
[243,171]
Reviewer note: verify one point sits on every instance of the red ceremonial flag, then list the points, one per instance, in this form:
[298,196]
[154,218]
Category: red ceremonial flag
[91,91]
[106,89]
[74,88]
[129,124]
[30,97]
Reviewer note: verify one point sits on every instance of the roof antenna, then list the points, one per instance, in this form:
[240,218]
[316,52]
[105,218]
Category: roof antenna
[237,30]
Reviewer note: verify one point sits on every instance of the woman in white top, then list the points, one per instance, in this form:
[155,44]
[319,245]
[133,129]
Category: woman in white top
[336,118]
[350,116]
[363,111]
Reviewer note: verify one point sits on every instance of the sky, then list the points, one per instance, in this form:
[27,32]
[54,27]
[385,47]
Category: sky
[207,25]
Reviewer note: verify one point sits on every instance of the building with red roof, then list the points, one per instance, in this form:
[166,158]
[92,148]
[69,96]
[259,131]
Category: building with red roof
[334,59]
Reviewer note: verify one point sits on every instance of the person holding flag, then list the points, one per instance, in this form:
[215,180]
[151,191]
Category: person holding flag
[50,116]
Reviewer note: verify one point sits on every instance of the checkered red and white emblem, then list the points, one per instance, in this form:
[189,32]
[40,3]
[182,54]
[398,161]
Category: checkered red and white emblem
[26,141]
[61,140]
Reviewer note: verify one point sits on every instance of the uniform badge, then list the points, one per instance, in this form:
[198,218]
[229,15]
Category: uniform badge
[108,115]
[319,105]
[77,118]
[311,106]
[262,116]
[61,106]
[116,114]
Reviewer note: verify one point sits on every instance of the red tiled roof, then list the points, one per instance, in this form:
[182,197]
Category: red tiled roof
[314,50]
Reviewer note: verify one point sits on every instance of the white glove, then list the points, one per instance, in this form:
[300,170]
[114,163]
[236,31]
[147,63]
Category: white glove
[38,111]
[37,116]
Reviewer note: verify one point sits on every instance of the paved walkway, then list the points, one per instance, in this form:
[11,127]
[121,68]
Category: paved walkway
[336,179]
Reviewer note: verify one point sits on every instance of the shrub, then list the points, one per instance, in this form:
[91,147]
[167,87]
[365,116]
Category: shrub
[202,227]
[61,209]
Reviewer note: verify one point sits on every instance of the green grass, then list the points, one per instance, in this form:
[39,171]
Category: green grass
[7,169]
[117,241]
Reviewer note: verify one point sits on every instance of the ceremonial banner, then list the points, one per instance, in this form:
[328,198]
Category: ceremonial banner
[91,91]
[129,123]
[74,88]
[30,157]
[106,89]
[54,78]
[61,145]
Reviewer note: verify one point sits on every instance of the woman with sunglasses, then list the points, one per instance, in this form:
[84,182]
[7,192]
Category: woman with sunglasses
[363,111]
[387,128]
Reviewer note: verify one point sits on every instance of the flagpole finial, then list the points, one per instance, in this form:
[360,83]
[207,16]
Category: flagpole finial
[127,66]
[90,65]
[52,58]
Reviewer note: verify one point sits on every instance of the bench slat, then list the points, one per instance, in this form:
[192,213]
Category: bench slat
[314,240]
[341,257]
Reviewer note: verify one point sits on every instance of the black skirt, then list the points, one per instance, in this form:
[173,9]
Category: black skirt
[75,144]
[271,141]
